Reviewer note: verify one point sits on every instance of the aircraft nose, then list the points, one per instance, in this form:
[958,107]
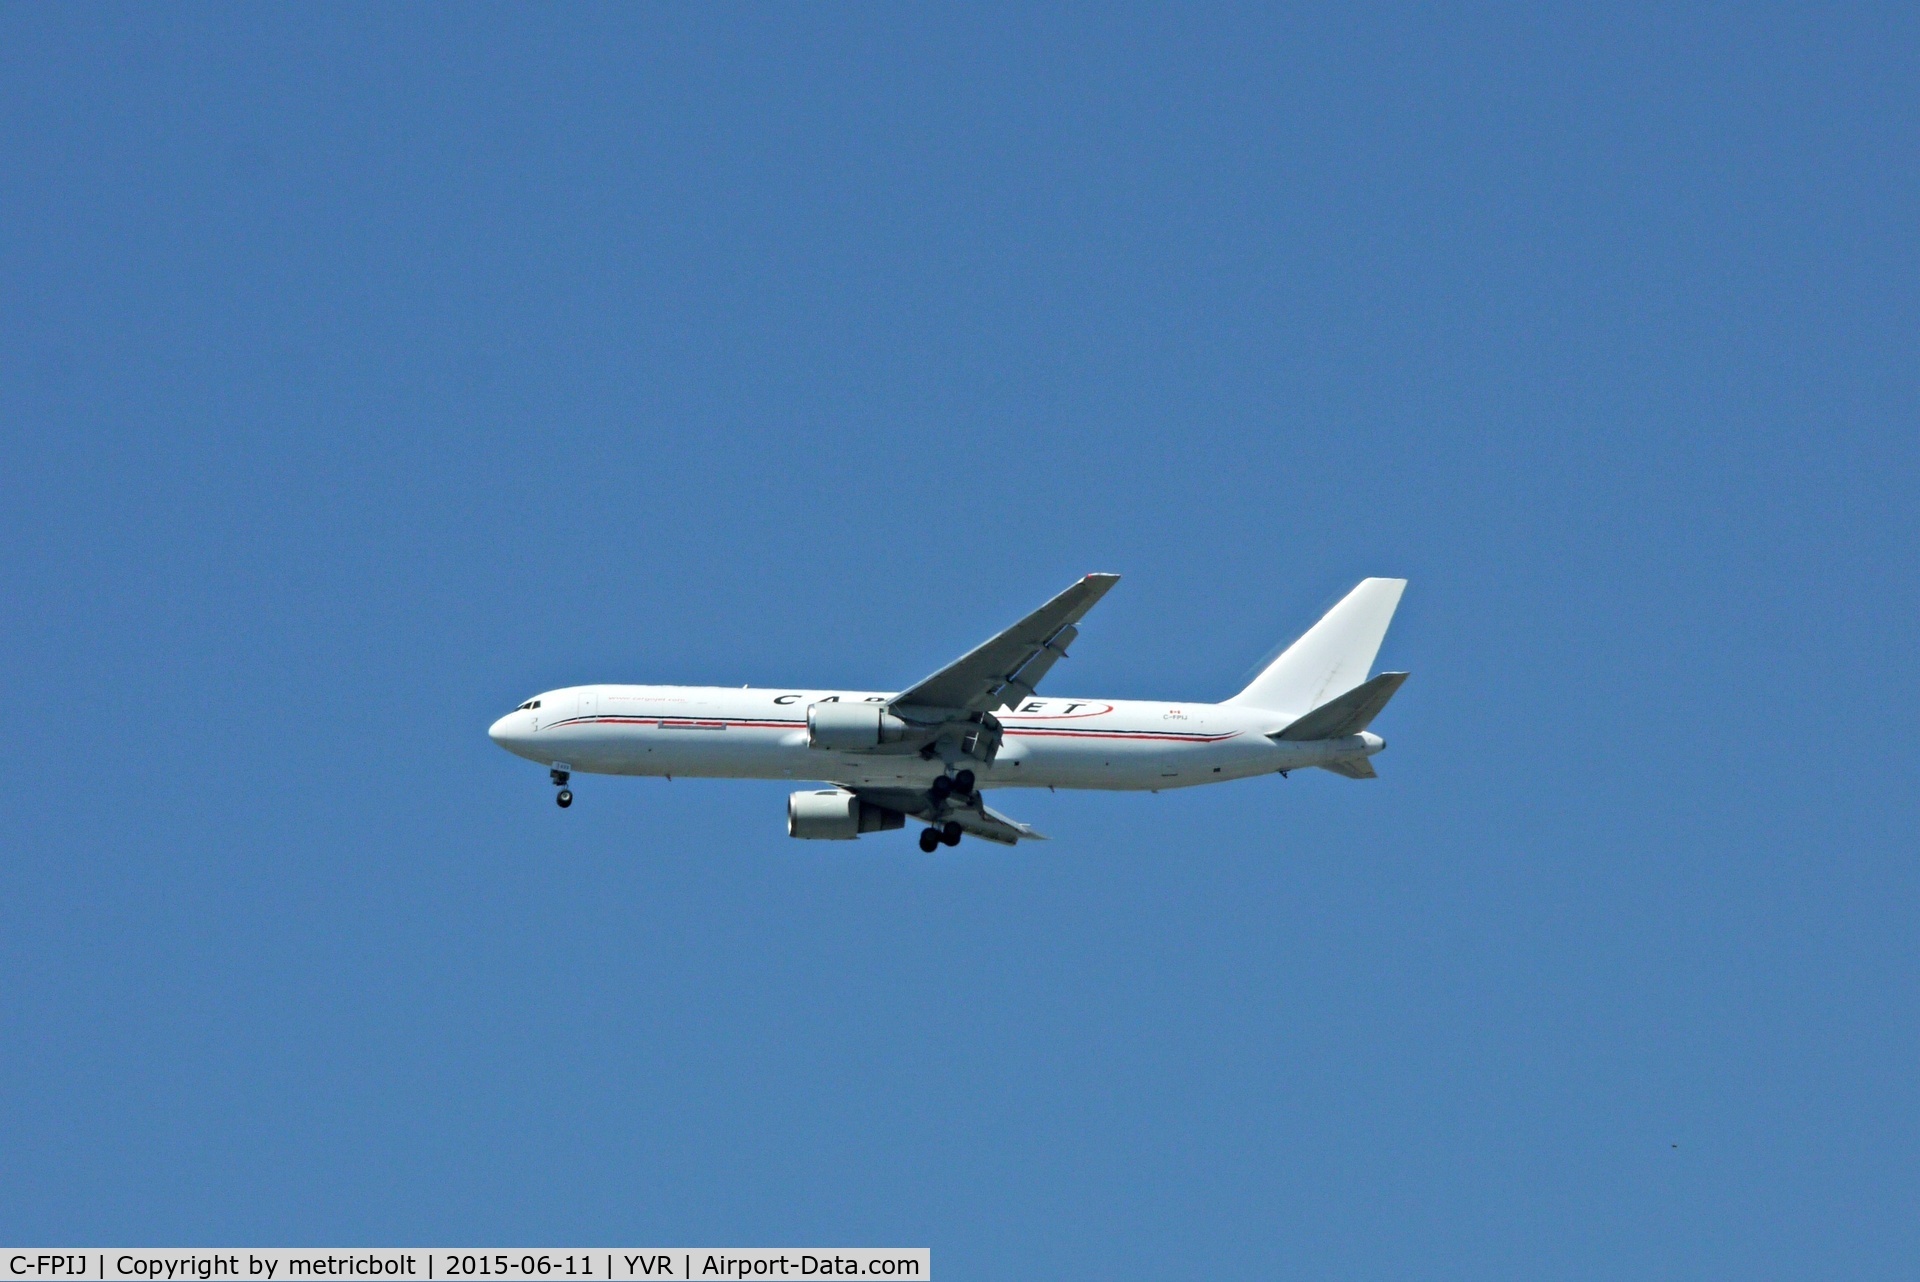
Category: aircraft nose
[500,731]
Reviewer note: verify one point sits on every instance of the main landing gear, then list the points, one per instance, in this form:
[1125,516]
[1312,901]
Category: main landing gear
[958,785]
[942,834]
[946,786]
[560,774]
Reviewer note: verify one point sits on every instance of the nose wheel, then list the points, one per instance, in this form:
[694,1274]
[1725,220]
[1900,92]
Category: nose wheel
[563,798]
[560,774]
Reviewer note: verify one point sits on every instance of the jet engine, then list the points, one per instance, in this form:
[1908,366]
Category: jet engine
[853,725]
[834,814]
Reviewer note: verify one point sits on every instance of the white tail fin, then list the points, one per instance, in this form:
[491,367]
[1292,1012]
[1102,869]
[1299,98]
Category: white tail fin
[1332,658]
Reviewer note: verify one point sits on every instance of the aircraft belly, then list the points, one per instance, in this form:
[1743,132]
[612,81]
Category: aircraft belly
[1119,761]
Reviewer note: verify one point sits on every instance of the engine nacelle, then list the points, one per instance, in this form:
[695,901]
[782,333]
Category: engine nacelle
[852,725]
[834,814]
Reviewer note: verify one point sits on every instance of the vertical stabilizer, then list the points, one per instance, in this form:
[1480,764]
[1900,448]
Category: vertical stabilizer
[1332,658]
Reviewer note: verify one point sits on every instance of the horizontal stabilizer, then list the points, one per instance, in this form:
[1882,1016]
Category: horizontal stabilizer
[1352,768]
[1349,714]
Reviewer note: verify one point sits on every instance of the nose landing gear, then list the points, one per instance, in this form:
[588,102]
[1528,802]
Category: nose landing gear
[563,798]
[560,773]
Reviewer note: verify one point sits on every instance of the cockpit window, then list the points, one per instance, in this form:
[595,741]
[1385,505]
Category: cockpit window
[531,703]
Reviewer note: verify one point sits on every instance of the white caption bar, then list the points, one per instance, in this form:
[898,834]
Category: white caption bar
[600,1263]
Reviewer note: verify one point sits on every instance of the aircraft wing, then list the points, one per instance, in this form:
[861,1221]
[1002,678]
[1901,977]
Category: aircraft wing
[1001,672]
[979,819]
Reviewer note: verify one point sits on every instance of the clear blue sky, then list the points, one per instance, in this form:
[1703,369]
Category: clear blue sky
[364,371]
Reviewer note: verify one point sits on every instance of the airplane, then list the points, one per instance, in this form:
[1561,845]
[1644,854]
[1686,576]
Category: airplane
[930,751]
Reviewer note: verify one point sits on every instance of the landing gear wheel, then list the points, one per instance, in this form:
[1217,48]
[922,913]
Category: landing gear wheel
[942,788]
[963,783]
[563,798]
[929,838]
[950,834]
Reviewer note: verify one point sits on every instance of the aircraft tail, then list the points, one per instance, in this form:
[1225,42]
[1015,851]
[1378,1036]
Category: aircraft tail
[1349,713]
[1332,658]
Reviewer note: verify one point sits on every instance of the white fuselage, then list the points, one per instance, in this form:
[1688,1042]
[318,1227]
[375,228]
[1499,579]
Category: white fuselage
[1049,742]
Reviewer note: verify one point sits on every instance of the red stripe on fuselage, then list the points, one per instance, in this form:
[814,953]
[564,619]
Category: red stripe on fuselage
[687,723]
[1137,736]
[677,723]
